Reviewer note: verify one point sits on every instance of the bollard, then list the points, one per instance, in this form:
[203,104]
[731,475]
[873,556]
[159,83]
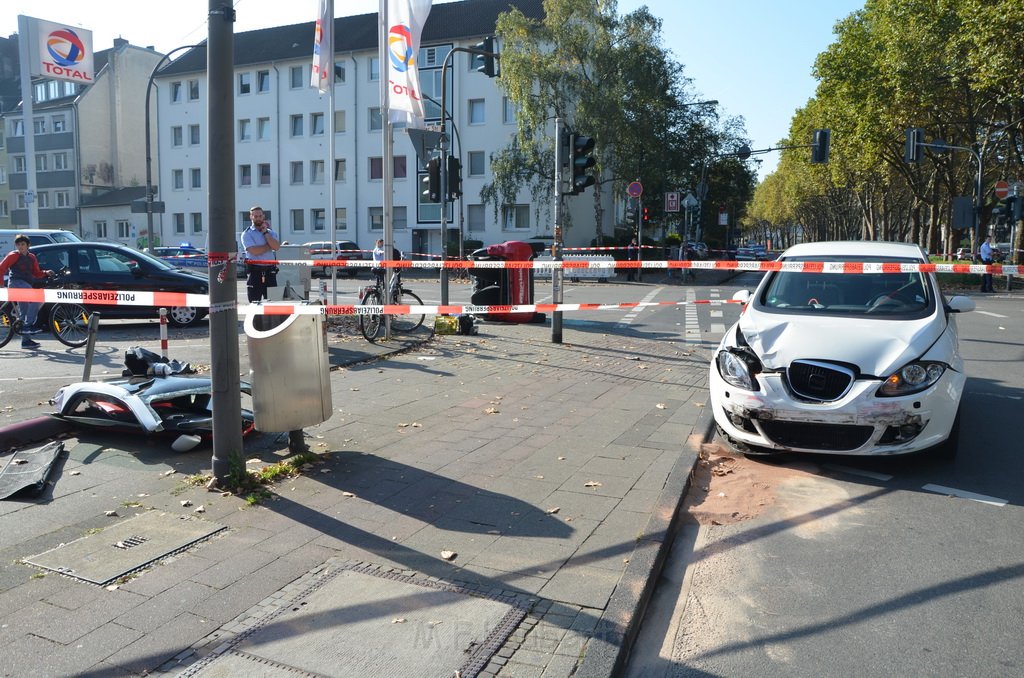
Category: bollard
[163,332]
[90,344]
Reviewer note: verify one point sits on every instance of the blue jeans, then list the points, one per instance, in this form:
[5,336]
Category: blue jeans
[28,309]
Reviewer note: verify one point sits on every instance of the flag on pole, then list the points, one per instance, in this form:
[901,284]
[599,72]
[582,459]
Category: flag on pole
[322,74]
[406,19]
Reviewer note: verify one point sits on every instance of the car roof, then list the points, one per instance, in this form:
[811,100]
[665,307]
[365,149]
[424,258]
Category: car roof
[895,250]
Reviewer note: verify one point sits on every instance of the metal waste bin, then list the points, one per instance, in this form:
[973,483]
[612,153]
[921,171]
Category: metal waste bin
[290,371]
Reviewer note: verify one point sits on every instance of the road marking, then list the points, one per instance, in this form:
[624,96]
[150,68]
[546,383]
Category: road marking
[716,314]
[964,494]
[859,472]
[994,315]
[692,322]
[631,316]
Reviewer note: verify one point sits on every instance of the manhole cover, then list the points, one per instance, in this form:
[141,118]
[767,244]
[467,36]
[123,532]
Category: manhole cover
[125,547]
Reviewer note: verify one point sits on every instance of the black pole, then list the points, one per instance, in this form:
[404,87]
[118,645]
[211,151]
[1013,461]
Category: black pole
[224,365]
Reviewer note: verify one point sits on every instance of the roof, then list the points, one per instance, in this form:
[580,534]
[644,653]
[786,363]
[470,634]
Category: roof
[121,196]
[447,21]
[848,248]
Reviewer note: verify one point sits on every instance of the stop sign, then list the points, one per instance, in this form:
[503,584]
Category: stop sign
[1002,189]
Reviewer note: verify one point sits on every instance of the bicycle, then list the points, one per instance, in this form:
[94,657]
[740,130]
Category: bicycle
[370,324]
[69,322]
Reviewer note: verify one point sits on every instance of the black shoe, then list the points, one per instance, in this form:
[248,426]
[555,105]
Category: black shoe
[28,343]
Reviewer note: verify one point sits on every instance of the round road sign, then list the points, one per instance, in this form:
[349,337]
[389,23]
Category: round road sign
[635,189]
[1002,189]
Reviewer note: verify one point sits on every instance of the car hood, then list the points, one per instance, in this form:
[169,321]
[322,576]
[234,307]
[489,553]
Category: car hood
[876,347]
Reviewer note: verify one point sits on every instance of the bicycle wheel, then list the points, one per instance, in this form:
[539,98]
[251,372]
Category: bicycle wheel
[370,324]
[7,320]
[70,324]
[407,322]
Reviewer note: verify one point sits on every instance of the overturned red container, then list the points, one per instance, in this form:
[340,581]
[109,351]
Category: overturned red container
[506,286]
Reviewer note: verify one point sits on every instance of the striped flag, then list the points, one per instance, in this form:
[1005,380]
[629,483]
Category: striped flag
[322,74]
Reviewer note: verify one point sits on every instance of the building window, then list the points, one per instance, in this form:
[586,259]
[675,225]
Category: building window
[19,163]
[376,121]
[339,73]
[59,124]
[295,79]
[374,69]
[339,169]
[177,179]
[19,201]
[3,140]
[197,222]
[376,218]
[179,223]
[296,172]
[196,177]
[176,95]
[39,125]
[341,218]
[508,111]
[298,221]
[62,198]
[399,217]
[245,175]
[263,129]
[100,228]
[318,217]
[515,217]
[316,171]
[193,135]
[3,175]
[264,169]
[316,124]
[475,217]
[17,128]
[476,112]
[244,130]
[296,125]
[193,90]
[124,229]
[476,163]
[60,161]
[43,198]
[339,122]
[41,164]
[4,209]
[177,136]
[244,83]
[262,81]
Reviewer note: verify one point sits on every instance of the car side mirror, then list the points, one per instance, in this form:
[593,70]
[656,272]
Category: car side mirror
[960,304]
[743,296]
[136,270]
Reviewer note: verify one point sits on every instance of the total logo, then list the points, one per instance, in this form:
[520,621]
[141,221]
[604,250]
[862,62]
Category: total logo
[67,51]
[400,48]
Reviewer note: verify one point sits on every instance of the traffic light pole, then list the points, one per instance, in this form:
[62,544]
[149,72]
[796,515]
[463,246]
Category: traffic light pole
[556,247]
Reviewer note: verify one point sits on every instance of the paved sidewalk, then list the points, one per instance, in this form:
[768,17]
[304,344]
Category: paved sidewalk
[551,472]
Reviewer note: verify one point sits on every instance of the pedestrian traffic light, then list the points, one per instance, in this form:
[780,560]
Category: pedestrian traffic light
[820,149]
[485,62]
[432,179]
[912,147]
[582,160]
[454,178]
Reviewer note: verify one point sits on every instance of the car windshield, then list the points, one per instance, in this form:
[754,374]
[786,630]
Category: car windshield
[906,295]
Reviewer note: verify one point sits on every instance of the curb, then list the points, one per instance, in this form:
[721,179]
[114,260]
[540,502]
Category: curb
[609,648]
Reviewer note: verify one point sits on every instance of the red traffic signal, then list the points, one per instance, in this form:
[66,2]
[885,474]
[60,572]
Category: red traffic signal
[647,214]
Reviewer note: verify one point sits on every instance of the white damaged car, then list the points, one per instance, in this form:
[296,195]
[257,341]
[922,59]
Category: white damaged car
[842,363]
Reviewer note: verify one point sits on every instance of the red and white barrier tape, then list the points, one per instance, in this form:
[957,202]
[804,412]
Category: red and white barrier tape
[455,309]
[105,297]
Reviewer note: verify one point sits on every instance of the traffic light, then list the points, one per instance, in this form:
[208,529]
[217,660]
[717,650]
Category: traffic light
[647,214]
[432,179]
[582,149]
[820,149]
[912,148]
[454,178]
[486,62]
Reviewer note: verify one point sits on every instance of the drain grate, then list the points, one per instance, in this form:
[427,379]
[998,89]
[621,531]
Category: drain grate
[130,542]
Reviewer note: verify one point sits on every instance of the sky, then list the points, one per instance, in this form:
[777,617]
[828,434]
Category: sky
[754,57]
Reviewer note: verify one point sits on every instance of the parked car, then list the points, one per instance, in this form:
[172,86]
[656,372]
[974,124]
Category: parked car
[859,364]
[346,249]
[1001,252]
[699,249]
[753,253]
[184,256]
[37,236]
[963,254]
[109,266]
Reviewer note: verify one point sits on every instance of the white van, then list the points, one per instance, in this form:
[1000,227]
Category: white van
[36,236]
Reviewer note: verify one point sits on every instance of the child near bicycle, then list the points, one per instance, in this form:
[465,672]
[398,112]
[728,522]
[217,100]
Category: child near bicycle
[22,270]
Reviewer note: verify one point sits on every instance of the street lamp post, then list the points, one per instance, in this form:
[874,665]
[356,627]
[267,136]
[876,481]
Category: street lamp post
[149,158]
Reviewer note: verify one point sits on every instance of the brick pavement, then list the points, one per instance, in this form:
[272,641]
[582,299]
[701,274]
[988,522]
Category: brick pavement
[553,471]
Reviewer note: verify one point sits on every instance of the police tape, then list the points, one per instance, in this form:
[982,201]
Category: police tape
[848,267]
[105,297]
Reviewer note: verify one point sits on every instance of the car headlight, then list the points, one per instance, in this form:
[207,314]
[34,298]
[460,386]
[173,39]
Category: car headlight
[735,368]
[911,378]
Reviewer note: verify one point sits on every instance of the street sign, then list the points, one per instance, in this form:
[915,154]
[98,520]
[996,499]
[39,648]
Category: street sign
[689,202]
[139,206]
[672,202]
[1002,189]
[723,217]
[635,189]
[30,197]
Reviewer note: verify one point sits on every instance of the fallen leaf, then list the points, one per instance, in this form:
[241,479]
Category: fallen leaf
[561,459]
[491,410]
[347,494]
[199,509]
[660,406]
[398,620]
[552,511]
[76,473]
[110,513]
[186,502]
[449,555]
[592,483]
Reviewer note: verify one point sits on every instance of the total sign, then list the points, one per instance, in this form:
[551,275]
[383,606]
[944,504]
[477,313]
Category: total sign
[62,52]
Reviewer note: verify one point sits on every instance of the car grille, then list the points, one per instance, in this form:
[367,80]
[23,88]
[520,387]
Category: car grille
[831,437]
[819,381]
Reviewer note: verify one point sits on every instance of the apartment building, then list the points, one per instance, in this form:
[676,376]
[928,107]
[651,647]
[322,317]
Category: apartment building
[281,144]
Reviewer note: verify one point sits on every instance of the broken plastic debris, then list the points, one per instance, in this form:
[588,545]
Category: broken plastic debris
[200,509]
[552,511]
[398,620]
[186,502]
[592,483]
[110,514]
[449,555]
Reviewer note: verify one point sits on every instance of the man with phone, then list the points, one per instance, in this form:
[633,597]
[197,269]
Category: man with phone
[259,240]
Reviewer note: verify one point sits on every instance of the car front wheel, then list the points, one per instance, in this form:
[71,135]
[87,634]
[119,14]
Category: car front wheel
[184,316]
